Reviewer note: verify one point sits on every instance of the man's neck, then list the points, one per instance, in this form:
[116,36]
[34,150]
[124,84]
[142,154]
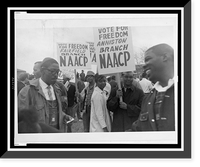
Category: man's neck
[166,75]
[127,86]
[91,84]
[164,82]
[45,81]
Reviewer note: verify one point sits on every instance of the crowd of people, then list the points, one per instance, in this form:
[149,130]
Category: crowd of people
[46,105]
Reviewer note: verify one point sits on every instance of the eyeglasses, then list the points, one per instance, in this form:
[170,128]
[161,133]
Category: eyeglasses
[128,77]
[53,72]
[89,76]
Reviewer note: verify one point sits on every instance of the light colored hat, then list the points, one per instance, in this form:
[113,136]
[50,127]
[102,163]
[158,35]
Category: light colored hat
[90,73]
[66,75]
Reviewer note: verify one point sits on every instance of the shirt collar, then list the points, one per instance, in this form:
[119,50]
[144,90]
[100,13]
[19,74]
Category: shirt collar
[132,88]
[98,89]
[159,88]
[43,84]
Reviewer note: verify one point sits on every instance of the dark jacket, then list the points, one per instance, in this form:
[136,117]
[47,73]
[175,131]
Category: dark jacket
[147,121]
[63,95]
[80,85]
[71,95]
[123,119]
[33,95]
[20,85]
[113,84]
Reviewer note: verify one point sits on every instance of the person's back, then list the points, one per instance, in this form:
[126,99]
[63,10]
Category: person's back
[71,94]
[80,85]
[146,85]
[20,85]
[82,76]
[136,84]
[113,84]
[21,81]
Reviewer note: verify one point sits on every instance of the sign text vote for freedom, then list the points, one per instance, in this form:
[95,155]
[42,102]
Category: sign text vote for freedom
[73,55]
[114,49]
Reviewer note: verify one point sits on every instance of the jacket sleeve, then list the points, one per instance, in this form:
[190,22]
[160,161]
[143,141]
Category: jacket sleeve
[62,92]
[134,110]
[135,126]
[98,109]
[82,95]
[23,99]
[113,101]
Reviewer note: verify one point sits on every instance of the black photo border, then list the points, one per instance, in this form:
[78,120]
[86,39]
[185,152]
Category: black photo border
[185,153]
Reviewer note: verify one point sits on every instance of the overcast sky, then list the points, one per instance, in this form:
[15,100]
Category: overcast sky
[37,35]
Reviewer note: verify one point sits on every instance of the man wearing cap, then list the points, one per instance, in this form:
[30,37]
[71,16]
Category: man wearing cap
[85,96]
[44,96]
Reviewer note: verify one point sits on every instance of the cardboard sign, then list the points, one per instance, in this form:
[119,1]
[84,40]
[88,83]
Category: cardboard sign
[92,53]
[73,55]
[114,49]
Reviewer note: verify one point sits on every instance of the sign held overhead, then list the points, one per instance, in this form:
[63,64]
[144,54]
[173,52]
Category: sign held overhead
[114,49]
[73,55]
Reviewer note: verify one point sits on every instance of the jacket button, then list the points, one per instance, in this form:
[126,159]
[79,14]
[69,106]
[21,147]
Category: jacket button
[152,120]
[149,102]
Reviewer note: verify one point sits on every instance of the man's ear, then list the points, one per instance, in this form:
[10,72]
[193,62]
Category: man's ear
[165,56]
[42,70]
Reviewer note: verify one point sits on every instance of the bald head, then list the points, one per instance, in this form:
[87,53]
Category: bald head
[36,69]
[159,63]
[162,49]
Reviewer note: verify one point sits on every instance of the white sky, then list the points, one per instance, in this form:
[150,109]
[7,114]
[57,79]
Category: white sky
[36,35]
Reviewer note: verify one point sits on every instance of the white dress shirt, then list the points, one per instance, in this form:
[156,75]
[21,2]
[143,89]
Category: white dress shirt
[45,90]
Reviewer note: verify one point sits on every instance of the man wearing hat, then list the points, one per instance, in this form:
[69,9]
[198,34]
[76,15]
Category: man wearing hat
[85,96]
[44,96]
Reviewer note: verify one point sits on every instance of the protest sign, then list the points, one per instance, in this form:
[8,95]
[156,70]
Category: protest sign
[92,53]
[73,55]
[114,50]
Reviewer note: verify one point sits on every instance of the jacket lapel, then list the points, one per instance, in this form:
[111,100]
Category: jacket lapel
[37,86]
[150,106]
[61,114]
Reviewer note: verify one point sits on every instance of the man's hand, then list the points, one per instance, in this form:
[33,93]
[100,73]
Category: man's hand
[67,119]
[77,94]
[118,93]
[123,105]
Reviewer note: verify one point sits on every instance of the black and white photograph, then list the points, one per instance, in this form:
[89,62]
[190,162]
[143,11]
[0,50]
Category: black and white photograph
[98,81]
